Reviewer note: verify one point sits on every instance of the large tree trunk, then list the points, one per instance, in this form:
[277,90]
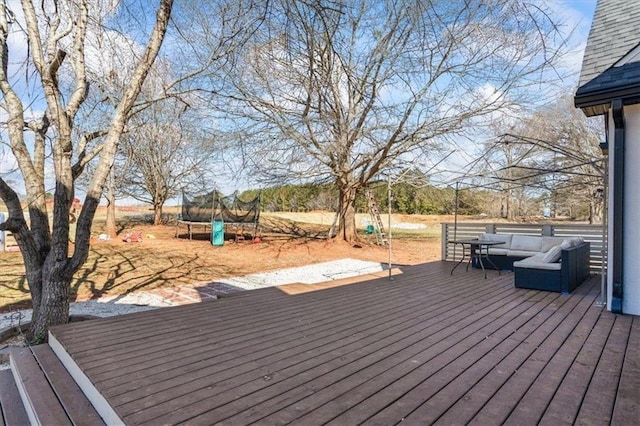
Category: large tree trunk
[110,226]
[347,214]
[47,262]
[52,310]
[157,214]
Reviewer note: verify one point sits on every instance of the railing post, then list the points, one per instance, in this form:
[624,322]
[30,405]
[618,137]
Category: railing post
[547,230]
[490,228]
[444,240]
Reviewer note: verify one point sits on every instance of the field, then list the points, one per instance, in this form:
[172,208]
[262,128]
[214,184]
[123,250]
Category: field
[161,260]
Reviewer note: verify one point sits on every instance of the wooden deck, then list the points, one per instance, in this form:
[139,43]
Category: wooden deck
[424,348]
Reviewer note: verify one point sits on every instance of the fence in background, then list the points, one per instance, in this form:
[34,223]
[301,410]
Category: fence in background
[590,233]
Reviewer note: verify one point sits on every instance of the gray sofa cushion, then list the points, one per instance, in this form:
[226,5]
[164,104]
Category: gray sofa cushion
[526,243]
[568,243]
[535,258]
[504,238]
[533,264]
[549,242]
[553,255]
[571,242]
[522,253]
[498,251]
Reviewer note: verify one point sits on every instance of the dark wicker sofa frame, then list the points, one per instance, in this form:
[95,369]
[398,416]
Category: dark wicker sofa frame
[574,270]
[572,273]
[500,261]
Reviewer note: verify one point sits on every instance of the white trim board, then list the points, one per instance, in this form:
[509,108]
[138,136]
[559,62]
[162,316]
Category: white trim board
[98,401]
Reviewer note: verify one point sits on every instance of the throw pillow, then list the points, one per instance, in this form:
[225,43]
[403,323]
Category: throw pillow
[566,244]
[553,255]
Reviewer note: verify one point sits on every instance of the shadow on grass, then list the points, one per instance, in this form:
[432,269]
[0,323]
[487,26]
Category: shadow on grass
[273,229]
[117,269]
[126,273]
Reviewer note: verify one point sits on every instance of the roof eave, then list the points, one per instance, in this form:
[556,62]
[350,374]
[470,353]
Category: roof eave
[596,102]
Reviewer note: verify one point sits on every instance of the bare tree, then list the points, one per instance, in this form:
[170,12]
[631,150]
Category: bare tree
[170,106]
[551,156]
[57,33]
[166,151]
[564,156]
[345,88]
[508,166]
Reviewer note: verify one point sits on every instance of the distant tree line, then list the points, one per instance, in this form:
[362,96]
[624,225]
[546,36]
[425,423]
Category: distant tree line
[409,199]
[405,199]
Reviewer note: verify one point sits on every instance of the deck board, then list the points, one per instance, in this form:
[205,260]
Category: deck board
[194,390]
[531,357]
[352,352]
[427,391]
[374,362]
[567,400]
[239,343]
[426,347]
[627,410]
[494,395]
[430,371]
[598,406]
[12,410]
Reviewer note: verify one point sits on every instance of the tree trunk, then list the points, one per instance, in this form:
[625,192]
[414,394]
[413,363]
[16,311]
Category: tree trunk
[157,214]
[596,212]
[49,269]
[52,310]
[110,227]
[347,215]
[34,278]
[508,206]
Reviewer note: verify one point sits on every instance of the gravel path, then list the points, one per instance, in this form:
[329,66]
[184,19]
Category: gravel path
[308,274]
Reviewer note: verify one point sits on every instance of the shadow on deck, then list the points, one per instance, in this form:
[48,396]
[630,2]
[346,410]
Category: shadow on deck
[426,347]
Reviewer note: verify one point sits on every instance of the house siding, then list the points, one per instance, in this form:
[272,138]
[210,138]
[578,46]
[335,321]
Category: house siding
[631,265]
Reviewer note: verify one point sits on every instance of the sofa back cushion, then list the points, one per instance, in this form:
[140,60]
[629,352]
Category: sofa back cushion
[504,238]
[549,242]
[526,243]
[566,244]
[571,242]
[553,255]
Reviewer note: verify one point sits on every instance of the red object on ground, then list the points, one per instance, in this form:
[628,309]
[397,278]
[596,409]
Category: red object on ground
[132,236]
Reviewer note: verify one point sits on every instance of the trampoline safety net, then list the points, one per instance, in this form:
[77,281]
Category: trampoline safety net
[213,206]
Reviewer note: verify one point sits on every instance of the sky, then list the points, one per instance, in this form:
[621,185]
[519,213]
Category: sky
[577,14]
[586,7]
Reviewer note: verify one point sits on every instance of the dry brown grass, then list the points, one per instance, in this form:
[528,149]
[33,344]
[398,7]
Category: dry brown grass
[115,267]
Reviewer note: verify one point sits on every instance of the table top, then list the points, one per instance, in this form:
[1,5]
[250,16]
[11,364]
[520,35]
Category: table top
[475,241]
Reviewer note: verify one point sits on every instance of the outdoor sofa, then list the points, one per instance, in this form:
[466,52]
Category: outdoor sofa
[541,263]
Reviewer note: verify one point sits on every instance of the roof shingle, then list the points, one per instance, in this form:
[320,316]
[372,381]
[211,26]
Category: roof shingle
[615,31]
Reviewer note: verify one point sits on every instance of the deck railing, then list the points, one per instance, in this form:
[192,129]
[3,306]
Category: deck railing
[590,233]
